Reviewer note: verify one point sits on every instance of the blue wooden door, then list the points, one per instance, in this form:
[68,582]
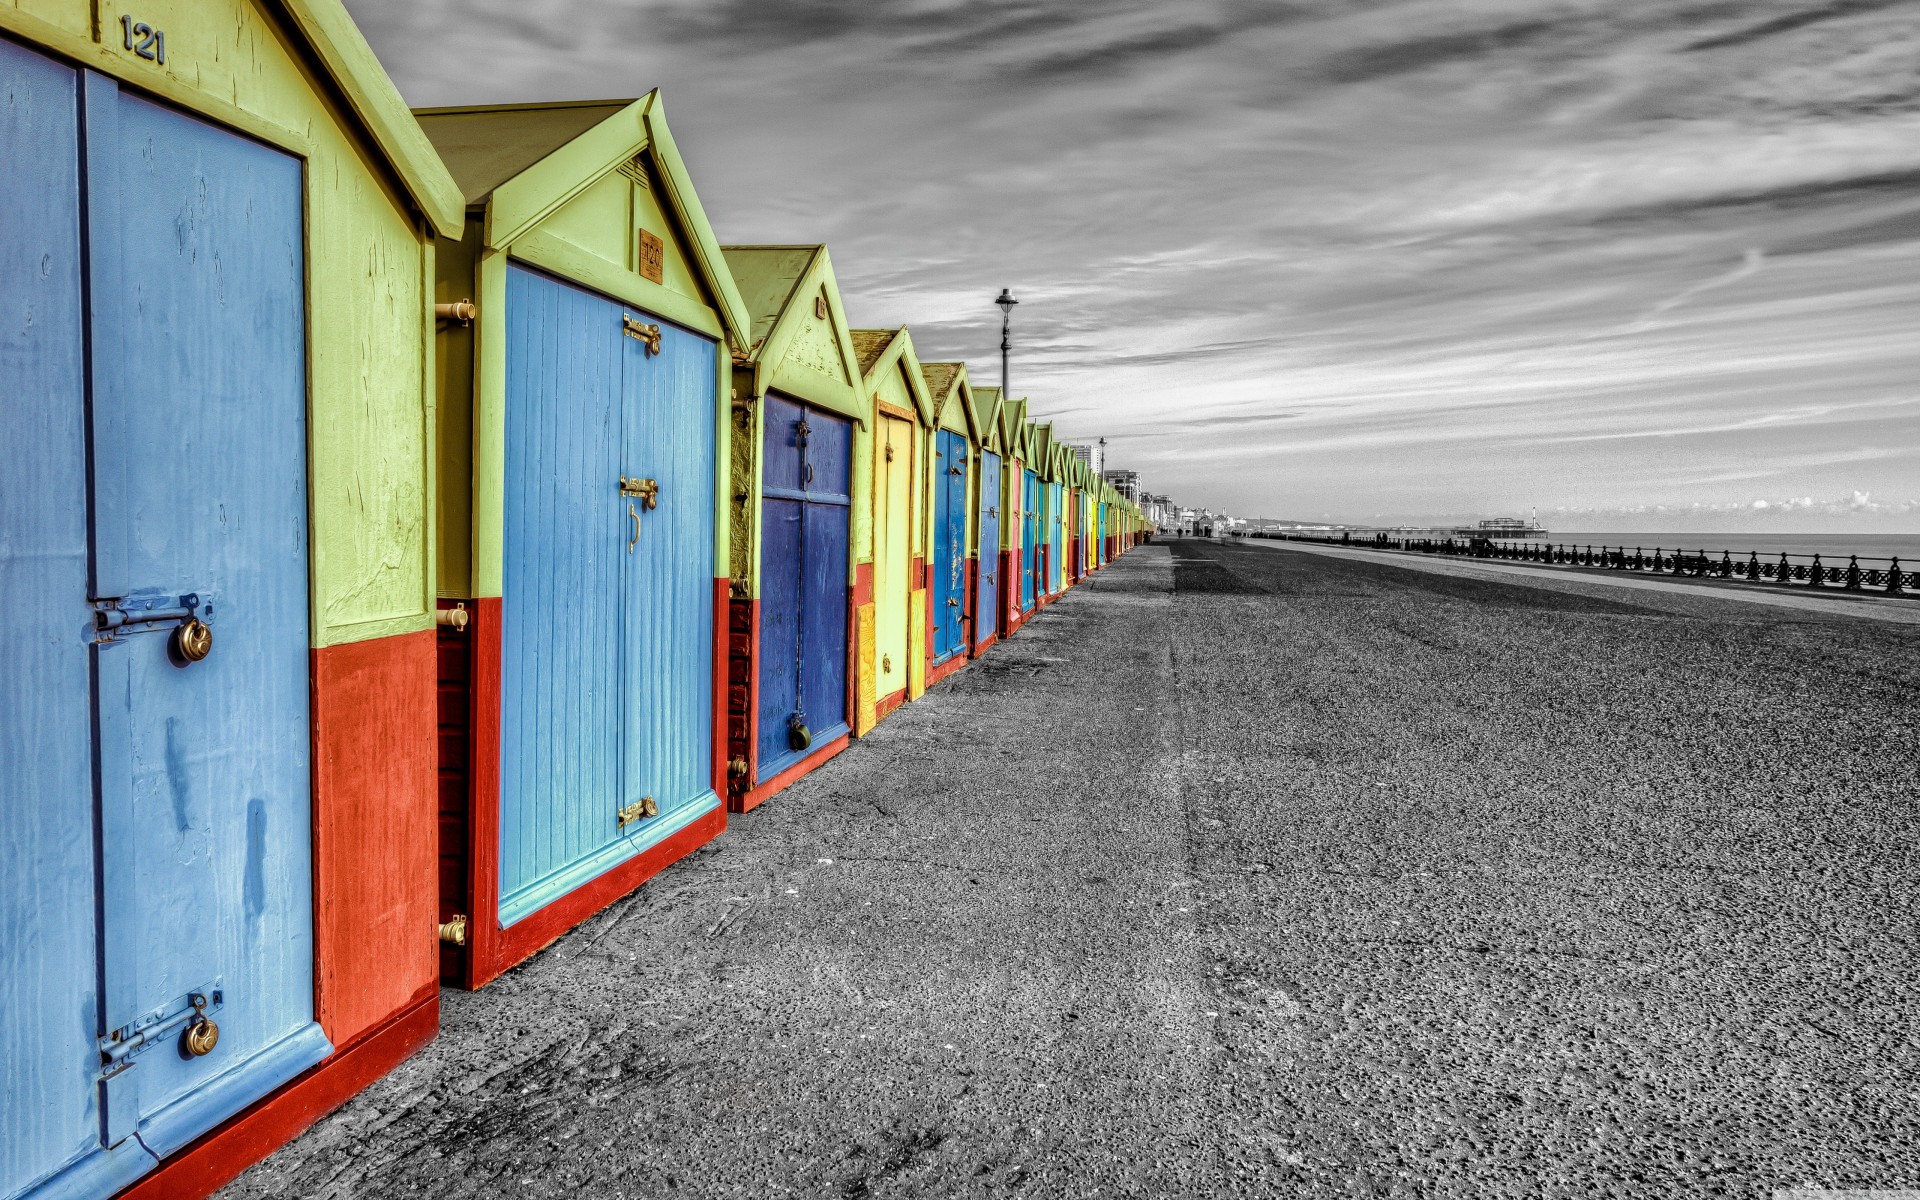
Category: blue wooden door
[1030,539]
[949,544]
[1056,538]
[49,1109]
[179,805]
[806,502]
[666,645]
[986,604]
[606,607]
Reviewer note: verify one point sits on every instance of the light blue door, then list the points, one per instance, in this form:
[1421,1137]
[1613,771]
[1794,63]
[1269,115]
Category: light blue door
[606,589]
[1029,540]
[190,827]
[986,604]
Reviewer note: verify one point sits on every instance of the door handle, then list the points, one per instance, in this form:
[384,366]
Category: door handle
[635,539]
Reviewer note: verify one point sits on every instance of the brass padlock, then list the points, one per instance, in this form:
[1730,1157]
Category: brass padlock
[193,640]
[202,1034]
[799,737]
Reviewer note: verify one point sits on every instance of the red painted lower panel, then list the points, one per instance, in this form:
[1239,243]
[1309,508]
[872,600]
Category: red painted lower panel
[987,645]
[720,641]
[218,1157]
[374,843]
[862,584]
[743,695]
[761,794]
[534,933]
[936,673]
[887,704]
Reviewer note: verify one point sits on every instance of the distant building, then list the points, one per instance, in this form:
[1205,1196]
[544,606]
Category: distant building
[1127,483]
[1093,455]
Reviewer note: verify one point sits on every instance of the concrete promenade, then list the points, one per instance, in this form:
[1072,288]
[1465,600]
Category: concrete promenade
[1243,871]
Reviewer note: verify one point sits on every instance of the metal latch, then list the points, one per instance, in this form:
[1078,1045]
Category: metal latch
[634,327]
[190,1013]
[647,489]
[454,932]
[189,617]
[639,810]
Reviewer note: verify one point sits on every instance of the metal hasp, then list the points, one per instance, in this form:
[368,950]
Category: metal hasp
[639,810]
[188,615]
[648,490]
[644,331]
[187,1015]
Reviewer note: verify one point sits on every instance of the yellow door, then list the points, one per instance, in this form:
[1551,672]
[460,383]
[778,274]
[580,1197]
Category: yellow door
[892,553]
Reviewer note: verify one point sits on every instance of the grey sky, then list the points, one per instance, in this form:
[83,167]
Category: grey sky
[1441,258]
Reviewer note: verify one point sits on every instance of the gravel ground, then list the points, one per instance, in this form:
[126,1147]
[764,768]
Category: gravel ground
[1249,872]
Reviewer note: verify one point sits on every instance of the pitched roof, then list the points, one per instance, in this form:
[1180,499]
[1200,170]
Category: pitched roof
[940,379]
[870,344]
[486,145]
[523,161]
[767,277]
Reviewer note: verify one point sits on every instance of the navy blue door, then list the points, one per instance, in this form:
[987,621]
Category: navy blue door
[806,502]
[156,826]
[949,544]
[986,604]
[606,606]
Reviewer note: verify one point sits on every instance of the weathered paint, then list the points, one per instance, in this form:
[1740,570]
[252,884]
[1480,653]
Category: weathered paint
[207,477]
[805,539]
[894,442]
[949,559]
[986,602]
[591,680]
[607,600]
[890,538]
[797,355]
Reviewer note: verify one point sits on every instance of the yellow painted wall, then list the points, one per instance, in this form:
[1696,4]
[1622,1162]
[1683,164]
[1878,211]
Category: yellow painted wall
[369,265]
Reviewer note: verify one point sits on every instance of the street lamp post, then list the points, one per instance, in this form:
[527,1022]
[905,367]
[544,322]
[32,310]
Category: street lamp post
[1006,303]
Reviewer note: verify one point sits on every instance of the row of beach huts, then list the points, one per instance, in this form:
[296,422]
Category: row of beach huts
[416,530]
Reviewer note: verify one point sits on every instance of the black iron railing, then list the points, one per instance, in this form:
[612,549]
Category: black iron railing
[1884,576]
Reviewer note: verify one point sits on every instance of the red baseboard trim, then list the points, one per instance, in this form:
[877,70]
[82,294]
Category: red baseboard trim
[764,792]
[940,671]
[533,933]
[218,1157]
[887,704]
[987,645]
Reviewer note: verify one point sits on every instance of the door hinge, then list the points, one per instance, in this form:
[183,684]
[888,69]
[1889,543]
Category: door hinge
[639,810]
[634,327]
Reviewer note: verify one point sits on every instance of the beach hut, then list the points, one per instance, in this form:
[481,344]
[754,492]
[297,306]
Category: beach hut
[889,580]
[989,499]
[216,707]
[1032,520]
[953,564]
[580,452]
[802,471]
[1016,577]
[1076,521]
[1054,525]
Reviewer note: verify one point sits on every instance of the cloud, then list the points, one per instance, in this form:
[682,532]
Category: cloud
[1439,255]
